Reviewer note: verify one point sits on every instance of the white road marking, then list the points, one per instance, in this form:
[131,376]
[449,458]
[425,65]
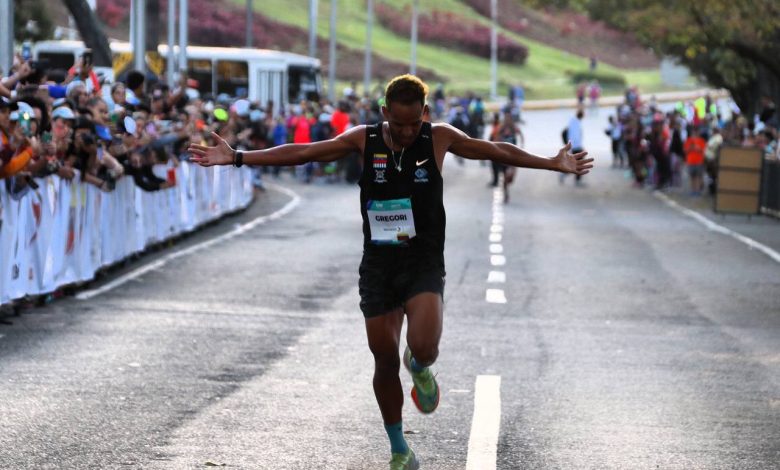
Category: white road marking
[495,296]
[719,228]
[496,228]
[483,440]
[86,295]
[496,248]
[498,277]
[498,260]
[495,237]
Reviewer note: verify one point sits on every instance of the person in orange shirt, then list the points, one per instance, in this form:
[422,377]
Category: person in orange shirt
[694,159]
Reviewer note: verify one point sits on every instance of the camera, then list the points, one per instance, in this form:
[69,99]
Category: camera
[31,181]
[24,122]
[26,51]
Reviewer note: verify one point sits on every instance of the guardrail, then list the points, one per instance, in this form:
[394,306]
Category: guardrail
[64,232]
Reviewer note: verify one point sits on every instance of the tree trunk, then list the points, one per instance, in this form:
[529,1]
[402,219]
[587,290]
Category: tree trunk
[91,32]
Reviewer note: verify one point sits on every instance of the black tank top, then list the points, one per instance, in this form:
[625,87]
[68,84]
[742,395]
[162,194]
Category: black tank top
[419,182]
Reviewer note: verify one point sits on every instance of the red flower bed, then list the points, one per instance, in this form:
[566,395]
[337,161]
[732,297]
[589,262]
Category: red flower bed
[570,31]
[451,31]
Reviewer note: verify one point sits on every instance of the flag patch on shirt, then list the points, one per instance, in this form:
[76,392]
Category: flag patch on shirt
[380,161]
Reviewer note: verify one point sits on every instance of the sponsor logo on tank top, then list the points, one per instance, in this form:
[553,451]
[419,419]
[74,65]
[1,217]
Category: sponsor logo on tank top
[380,176]
[421,175]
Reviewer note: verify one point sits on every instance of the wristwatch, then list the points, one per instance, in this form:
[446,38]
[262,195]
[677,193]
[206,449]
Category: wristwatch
[238,158]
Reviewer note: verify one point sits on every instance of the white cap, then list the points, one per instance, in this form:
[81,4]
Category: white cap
[63,112]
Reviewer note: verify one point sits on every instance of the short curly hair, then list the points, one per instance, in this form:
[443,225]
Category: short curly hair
[406,89]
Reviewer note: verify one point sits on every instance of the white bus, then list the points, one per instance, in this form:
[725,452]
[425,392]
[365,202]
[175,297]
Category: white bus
[261,75]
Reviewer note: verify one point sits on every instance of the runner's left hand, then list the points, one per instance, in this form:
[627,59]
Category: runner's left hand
[573,163]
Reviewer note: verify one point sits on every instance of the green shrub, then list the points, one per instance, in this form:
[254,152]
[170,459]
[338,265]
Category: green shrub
[605,79]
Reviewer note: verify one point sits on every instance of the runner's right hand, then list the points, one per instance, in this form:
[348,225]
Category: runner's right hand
[220,154]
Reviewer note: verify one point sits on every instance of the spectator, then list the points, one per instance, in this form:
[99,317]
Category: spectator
[574,134]
[694,159]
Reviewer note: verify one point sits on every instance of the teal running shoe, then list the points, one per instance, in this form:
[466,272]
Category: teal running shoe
[425,393]
[407,461]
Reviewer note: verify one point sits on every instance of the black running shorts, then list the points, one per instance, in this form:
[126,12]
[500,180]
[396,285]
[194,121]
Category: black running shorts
[391,276]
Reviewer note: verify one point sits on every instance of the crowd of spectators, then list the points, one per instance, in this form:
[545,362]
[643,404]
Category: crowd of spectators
[78,126]
[72,124]
[680,147]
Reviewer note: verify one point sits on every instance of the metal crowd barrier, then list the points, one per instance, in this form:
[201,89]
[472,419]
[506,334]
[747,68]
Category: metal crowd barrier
[64,232]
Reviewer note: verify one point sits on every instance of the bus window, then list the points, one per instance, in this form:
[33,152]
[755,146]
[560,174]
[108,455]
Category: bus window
[200,70]
[57,60]
[233,78]
[303,84]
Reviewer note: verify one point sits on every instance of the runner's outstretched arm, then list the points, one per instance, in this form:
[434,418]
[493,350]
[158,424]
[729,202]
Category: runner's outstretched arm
[462,145]
[283,155]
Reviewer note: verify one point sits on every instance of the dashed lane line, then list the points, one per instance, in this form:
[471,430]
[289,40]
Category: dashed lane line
[486,423]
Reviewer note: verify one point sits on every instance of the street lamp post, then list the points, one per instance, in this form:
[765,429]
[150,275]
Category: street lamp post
[169,62]
[313,28]
[367,62]
[415,13]
[138,31]
[332,52]
[183,31]
[493,52]
[249,15]
[6,35]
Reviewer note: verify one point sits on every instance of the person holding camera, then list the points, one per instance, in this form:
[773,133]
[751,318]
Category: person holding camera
[83,72]
[21,69]
[96,165]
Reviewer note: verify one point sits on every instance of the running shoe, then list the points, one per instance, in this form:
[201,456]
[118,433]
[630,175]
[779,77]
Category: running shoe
[425,393]
[407,461]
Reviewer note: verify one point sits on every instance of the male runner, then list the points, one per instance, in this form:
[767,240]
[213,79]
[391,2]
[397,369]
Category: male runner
[402,271]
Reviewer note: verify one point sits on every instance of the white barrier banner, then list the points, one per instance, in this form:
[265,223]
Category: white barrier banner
[64,231]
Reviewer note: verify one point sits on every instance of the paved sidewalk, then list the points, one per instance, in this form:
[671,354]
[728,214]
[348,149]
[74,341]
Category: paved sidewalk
[664,97]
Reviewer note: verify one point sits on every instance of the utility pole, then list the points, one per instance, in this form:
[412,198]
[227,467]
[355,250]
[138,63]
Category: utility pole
[170,67]
[334,5]
[415,15]
[138,33]
[493,52]
[367,61]
[249,14]
[313,28]
[6,35]
[184,11]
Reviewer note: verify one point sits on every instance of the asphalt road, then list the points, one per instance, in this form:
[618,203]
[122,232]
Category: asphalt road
[631,337]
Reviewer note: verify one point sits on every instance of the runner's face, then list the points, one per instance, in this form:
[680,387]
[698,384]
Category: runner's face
[404,122]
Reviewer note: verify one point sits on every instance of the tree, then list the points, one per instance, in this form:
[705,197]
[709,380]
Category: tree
[734,44]
[31,21]
[91,31]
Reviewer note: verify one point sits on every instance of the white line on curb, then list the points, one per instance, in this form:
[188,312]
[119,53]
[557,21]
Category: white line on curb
[717,227]
[86,295]
[483,440]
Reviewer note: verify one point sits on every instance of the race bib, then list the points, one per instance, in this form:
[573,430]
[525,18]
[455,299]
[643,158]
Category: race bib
[391,221]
